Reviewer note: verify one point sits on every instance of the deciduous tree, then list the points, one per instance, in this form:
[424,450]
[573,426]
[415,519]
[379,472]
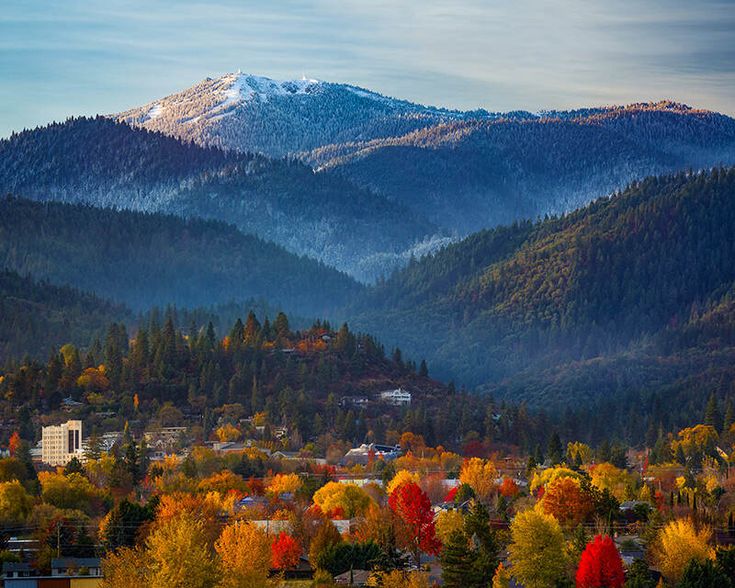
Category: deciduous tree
[680,542]
[412,505]
[600,565]
[537,550]
[245,555]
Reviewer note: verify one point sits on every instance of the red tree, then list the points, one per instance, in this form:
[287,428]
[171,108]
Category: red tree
[509,488]
[14,443]
[285,551]
[451,495]
[411,504]
[600,565]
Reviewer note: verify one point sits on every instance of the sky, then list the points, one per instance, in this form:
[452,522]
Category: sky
[73,57]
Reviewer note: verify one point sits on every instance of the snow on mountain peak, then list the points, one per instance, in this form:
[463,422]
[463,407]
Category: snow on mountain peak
[240,87]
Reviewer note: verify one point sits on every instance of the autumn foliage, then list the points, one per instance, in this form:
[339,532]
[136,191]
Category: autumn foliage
[567,501]
[413,506]
[285,552]
[600,565]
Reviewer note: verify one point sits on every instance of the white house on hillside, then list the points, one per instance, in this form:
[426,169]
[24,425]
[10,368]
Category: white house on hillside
[397,397]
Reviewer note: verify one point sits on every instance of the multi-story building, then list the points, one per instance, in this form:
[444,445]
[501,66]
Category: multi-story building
[60,443]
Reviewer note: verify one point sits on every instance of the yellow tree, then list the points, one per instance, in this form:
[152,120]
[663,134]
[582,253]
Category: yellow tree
[180,556]
[537,550]
[125,568]
[70,492]
[544,477]
[284,484]
[605,476]
[15,503]
[228,432]
[244,551]
[481,475]
[401,477]
[350,499]
[447,522]
[679,542]
[403,579]
[201,508]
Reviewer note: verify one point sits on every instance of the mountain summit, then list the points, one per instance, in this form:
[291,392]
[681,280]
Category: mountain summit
[255,113]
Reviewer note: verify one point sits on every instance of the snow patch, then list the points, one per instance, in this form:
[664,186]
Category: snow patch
[154,112]
[241,87]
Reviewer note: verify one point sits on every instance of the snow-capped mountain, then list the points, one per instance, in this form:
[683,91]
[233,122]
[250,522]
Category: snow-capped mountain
[253,113]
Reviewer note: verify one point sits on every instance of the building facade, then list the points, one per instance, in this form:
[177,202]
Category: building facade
[60,443]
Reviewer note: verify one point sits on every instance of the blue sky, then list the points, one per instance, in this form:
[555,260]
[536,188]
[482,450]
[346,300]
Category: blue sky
[59,58]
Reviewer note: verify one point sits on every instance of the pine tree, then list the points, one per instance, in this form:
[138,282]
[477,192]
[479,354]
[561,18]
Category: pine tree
[555,450]
[458,562]
[712,413]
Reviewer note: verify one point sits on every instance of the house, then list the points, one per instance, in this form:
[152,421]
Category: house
[397,397]
[12,570]
[76,566]
[84,572]
[166,439]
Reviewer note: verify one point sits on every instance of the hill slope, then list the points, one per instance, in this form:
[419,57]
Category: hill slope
[147,260]
[37,317]
[468,175]
[104,163]
[626,276]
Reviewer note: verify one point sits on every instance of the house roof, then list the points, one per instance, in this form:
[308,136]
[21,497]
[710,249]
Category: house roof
[11,566]
[75,562]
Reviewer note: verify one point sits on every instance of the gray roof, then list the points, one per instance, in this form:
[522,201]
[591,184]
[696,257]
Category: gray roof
[75,562]
[11,566]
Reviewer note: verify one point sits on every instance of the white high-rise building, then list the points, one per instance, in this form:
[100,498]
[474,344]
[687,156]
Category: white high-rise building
[62,442]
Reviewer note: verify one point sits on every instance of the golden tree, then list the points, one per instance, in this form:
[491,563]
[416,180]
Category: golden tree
[537,550]
[448,522]
[401,477]
[349,498]
[179,555]
[544,477]
[125,568]
[244,551]
[284,484]
[678,543]
[15,503]
[481,475]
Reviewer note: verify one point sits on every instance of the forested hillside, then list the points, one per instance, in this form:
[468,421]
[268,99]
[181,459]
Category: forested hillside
[145,260]
[471,174]
[630,293]
[36,317]
[105,163]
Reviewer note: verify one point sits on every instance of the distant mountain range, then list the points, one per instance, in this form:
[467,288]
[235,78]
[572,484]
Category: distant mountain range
[464,171]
